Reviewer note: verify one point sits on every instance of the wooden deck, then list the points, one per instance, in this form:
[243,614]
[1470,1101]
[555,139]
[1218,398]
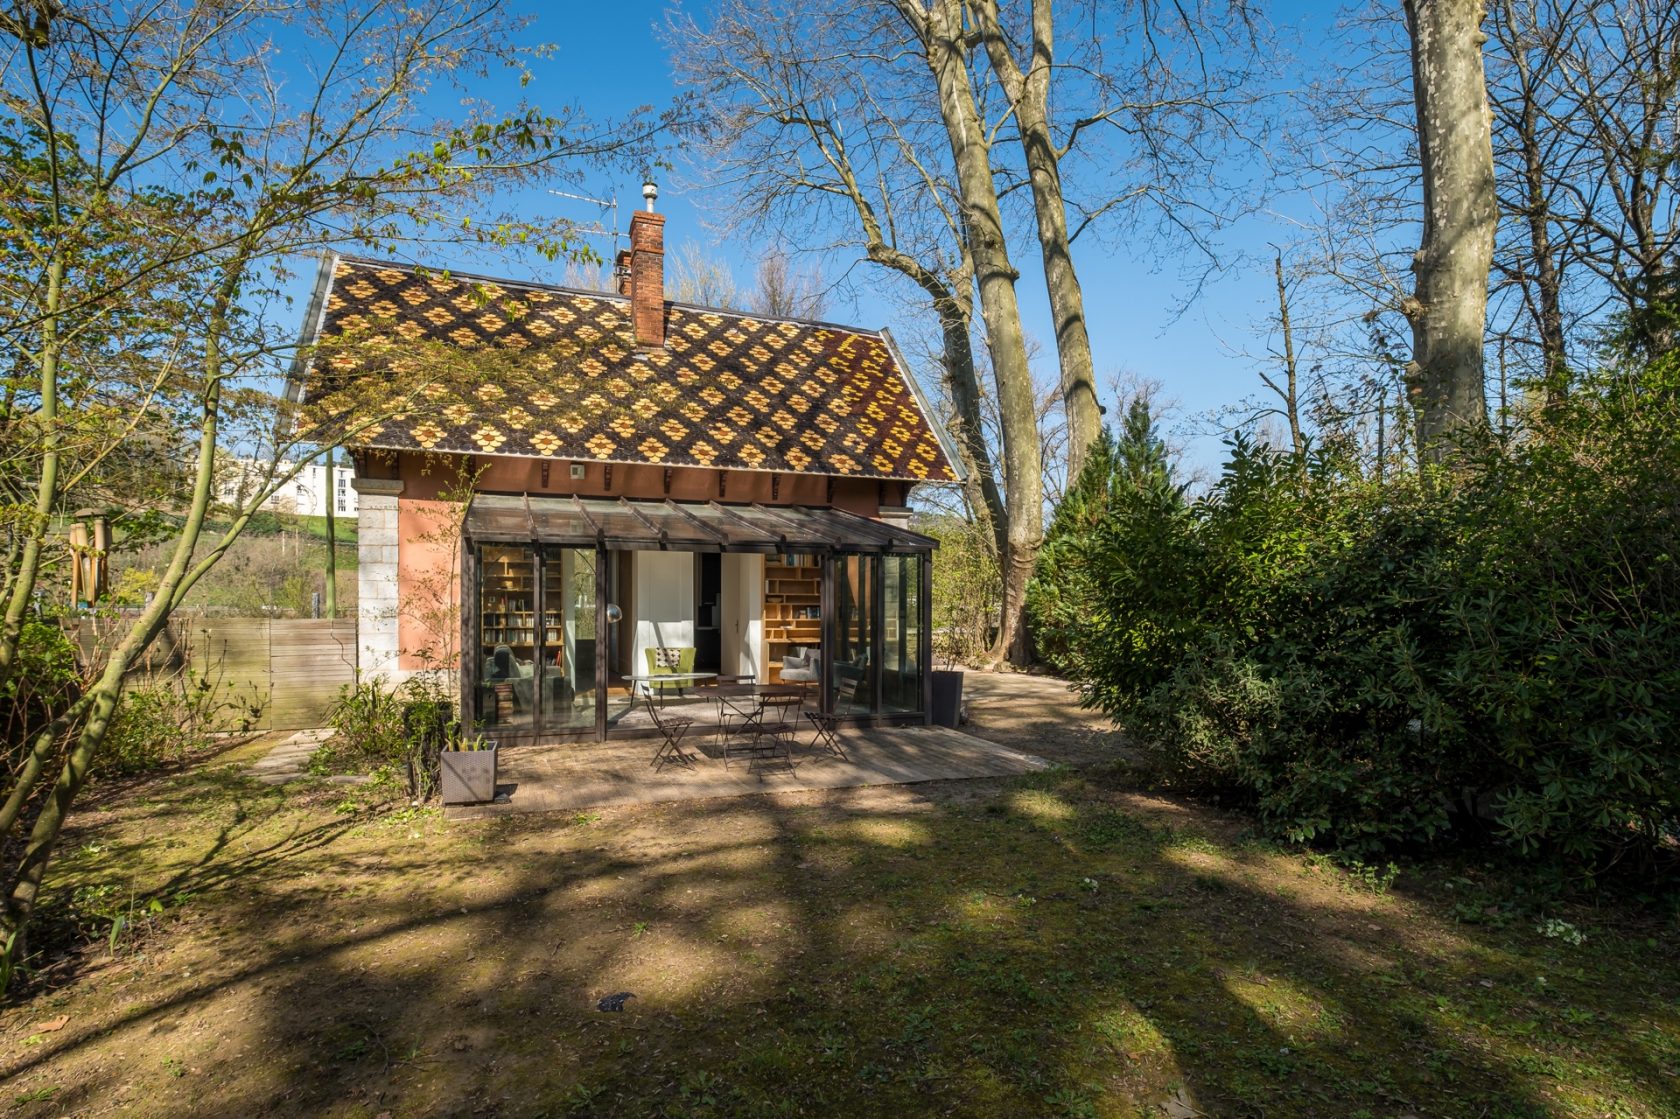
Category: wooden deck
[569,778]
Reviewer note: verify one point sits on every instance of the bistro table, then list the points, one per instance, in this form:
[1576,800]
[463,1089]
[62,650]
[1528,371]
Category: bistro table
[641,681]
[741,706]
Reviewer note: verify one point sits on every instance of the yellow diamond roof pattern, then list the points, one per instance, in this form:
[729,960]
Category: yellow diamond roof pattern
[729,391]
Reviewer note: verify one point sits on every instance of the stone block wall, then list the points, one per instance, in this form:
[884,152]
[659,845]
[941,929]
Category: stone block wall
[376,580]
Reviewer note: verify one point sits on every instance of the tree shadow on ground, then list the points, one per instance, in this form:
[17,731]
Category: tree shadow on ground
[1045,951]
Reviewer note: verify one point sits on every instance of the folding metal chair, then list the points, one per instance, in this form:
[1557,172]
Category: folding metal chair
[737,716]
[779,720]
[671,729]
[826,724]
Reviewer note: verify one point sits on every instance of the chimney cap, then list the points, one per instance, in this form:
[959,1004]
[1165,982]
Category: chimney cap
[650,191]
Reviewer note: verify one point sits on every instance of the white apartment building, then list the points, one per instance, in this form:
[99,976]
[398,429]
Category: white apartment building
[305,494]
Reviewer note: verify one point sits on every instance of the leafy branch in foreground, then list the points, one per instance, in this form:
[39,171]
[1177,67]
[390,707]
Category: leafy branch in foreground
[167,173]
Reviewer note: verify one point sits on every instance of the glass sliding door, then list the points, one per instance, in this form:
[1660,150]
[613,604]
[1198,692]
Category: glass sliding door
[620,638]
[852,672]
[901,634]
[508,633]
[536,640]
[566,693]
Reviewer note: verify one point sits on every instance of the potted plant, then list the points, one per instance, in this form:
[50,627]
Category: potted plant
[468,770]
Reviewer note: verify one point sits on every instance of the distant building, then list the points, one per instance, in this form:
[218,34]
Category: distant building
[305,494]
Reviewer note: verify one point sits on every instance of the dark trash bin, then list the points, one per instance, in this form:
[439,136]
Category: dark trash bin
[947,698]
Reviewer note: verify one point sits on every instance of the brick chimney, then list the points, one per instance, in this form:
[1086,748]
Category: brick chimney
[621,272]
[647,272]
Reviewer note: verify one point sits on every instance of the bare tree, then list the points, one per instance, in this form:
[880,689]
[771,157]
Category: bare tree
[786,292]
[1448,311]
[1289,392]
[1616,96]
[800,138]
[1585,104]
[703,280]
[937,28]
[1532,160]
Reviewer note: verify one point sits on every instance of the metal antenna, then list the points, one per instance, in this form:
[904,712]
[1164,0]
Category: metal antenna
[605,204]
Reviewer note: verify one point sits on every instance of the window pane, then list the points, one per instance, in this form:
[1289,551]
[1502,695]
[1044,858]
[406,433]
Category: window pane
[852,680]
[507,638]
[901,622]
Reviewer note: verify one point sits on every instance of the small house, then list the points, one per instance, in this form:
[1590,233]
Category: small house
[652,486]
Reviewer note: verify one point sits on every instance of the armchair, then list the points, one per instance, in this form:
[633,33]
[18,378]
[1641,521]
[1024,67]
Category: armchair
[669,660]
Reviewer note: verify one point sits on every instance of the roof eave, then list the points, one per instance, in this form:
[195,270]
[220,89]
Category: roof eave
[314,319]
[928,415]
[740,468]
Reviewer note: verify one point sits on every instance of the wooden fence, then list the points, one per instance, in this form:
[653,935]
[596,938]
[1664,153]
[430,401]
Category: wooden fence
[286,671]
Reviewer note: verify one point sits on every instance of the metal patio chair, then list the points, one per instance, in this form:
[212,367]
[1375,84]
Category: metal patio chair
[671,728]
[779,720]
[826,724]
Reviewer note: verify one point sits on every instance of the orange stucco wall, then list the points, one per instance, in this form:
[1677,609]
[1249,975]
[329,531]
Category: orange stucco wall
[428,557]
[428,582]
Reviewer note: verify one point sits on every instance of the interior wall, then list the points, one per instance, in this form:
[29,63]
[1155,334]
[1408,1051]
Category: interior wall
[743,613]
[664,602]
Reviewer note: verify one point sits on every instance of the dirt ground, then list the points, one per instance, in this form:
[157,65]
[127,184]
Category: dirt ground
[1037,715]
[1044,945]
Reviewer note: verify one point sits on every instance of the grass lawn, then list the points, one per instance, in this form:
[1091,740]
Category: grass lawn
[1043,946]
[344,531]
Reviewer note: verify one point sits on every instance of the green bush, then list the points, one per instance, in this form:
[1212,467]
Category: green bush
[163,720]
[1377,666]
[967,589]
[46,682]
[1125,495]
[380,726]
[367,721]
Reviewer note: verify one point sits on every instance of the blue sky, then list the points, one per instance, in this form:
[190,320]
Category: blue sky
[610,59]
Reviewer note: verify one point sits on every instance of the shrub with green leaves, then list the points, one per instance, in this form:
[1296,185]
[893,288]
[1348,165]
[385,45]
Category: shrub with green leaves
[1386,665]
[168,718]
[396,727]
[45,684]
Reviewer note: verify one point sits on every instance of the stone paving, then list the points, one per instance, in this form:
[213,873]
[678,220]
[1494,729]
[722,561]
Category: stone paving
[287,760]
[570,777]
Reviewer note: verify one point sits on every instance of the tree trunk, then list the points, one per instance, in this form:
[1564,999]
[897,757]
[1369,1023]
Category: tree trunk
[981,488]
[940,31]
[1290,389]
[1547,283]
[34,532]
[1029,94]
[330,603]
[1448,313]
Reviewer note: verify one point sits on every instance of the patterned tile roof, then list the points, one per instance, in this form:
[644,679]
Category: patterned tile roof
[727,390]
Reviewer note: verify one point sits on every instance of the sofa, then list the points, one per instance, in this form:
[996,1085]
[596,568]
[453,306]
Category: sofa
[803,667]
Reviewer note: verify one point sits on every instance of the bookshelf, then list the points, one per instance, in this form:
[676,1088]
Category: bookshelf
[508,614]
[792,608]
